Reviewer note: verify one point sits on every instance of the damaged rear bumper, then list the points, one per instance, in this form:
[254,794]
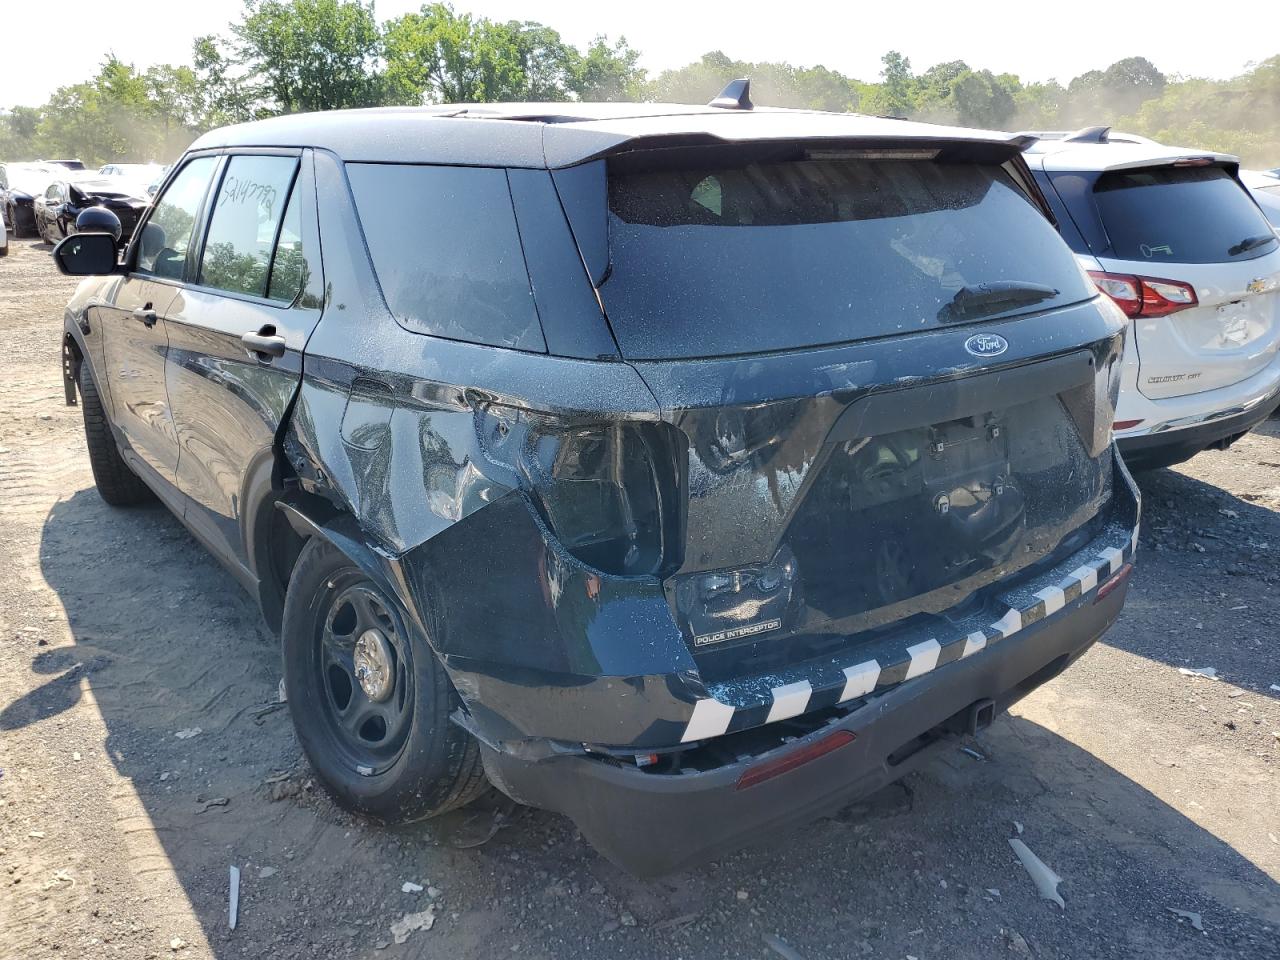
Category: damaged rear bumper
[656,823]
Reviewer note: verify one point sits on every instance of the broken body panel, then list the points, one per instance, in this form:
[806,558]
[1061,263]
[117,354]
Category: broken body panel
[805,483]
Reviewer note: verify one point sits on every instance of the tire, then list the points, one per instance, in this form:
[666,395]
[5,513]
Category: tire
[406,761]
[117,484]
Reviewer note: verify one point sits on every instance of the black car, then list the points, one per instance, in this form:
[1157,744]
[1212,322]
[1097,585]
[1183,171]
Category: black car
[685,470]
[20,184]
[56,209]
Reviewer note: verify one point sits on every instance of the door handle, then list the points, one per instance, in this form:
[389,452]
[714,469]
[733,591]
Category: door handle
[264,345]
[146,315]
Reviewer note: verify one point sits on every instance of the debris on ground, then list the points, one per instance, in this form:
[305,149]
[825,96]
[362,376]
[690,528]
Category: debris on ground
[1016,943]
[210,804]
[281,696]
[434,892]
[36,834]
[1017,826]
[188,733]
[1045,879]
[262,713]
[1210,673]
[627,919]
[60,877]
[75,755]
[177,943]
[1192,918]
[676,923]
[1276,687]
[410,887]
[474,834]
[423,920]
[970,752]
[781,947]
[264,872]
[233,908]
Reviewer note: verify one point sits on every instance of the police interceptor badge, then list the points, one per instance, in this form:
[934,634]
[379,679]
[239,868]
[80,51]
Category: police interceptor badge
[737,633]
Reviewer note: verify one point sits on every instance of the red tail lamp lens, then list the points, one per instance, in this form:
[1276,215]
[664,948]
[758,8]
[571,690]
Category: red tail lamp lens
[1145,296]
[1125,424]
[761,772]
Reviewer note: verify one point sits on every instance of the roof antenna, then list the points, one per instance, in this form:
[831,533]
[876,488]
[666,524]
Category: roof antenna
[1089,135]
[736,96]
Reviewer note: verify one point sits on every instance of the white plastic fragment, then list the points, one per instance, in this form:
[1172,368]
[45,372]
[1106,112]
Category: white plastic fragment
[1017,826]
[410,887]
[1276,687]
[781,947]
[1046,880]
[1193,918]
[410,922]
[364,771]
[1209,672]
[188,733]
[281,696]
[233,913]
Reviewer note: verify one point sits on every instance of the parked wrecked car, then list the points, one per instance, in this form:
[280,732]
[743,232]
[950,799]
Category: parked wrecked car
[686,470]
[4,232]
[1171,235]
[20,184]
[62,201]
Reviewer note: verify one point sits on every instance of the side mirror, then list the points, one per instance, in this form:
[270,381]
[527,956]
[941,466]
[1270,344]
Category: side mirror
[98,220]
[86,255]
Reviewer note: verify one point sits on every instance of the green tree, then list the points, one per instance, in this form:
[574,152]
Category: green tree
[772,84]
[312,54]
[896,94]
[608,72]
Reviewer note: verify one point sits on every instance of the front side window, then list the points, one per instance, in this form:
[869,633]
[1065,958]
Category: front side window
[162,248]
[246,219]
[447,251]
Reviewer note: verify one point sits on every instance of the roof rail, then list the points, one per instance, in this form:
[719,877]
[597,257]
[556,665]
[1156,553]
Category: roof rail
[735,96]
[1088,135]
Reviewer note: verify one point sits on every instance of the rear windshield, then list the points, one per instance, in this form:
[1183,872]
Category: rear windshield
[1180,215]
[721,260]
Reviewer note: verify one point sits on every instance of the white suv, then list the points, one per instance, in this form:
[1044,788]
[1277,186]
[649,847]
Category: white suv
[1172,236]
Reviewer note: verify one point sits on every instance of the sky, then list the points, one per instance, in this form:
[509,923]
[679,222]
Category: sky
[1037,41]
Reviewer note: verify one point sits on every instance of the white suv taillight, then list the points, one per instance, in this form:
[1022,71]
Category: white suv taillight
[1145,296]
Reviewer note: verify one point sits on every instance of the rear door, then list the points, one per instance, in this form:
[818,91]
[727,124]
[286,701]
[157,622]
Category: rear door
[236,335]
[133,325]
[1194,225]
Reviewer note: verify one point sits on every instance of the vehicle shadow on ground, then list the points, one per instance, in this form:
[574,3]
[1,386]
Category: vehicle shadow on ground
[1207,561]
[168,643]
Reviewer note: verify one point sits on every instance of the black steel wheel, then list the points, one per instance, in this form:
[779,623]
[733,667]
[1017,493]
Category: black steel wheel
[369,700]
[365,668]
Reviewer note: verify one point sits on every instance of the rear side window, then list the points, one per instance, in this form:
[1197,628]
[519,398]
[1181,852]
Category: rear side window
[245,223]
[719,260]
[162,248]
[1180,215]
[447,251]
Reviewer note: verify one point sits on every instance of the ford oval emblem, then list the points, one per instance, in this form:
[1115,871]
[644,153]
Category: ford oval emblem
[986,345]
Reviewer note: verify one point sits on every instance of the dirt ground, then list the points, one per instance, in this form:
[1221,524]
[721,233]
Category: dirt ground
[1146,790]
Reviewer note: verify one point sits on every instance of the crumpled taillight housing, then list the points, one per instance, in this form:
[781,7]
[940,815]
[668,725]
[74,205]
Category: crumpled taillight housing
[610,492]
